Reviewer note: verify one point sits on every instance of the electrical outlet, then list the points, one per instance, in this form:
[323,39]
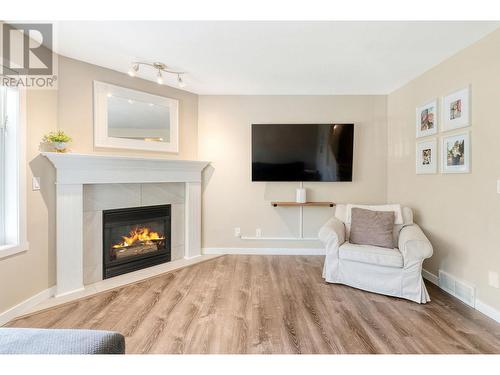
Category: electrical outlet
[258,232]
[35,183]
[237,232]
[493,279]
[498,186]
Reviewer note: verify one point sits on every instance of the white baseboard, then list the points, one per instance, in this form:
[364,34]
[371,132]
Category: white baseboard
[480,306]
[430,277]
[263,251]
[250,238]
[26,305]
[488,310]
[193,257]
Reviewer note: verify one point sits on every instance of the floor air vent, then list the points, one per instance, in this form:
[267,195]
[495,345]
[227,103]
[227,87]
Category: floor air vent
[464,292]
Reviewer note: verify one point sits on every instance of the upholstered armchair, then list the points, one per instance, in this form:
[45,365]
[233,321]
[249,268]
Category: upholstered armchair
[395,272]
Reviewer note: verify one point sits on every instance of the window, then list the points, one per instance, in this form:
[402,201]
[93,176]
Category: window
[12,172]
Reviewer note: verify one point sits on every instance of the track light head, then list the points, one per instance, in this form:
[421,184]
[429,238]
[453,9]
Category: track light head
[133,70]
[180,81]
[159,78]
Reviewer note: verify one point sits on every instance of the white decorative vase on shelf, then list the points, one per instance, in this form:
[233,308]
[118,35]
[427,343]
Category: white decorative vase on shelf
[301,195]
[60,146]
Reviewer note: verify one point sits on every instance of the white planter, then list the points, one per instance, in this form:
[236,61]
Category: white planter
[60,146]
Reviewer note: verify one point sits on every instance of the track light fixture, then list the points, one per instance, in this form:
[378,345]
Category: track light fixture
[160,68]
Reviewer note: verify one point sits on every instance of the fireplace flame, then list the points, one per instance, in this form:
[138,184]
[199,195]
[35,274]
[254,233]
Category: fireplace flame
[139,234]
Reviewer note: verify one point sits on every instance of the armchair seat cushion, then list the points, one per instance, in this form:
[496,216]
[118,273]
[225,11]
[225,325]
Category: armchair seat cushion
[371,254]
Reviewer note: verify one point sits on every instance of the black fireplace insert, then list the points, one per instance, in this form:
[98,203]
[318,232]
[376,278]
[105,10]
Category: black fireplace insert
[135,238]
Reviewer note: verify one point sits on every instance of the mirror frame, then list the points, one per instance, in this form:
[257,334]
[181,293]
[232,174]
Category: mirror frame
[101,137]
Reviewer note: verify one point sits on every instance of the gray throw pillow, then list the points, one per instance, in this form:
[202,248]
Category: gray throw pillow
[372,228]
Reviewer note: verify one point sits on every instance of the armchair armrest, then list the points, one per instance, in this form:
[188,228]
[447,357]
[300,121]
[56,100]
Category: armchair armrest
[332,233]
[413,244]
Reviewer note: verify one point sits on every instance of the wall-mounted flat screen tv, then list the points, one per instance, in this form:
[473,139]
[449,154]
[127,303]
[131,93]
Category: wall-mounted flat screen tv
[302,152]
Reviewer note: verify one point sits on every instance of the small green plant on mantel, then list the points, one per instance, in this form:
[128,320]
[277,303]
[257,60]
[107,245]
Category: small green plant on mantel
[58,139]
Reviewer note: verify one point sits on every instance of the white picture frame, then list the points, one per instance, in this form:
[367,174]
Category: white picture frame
[459,162]
[426,157]
[427,119]
[104,91]
[456,110]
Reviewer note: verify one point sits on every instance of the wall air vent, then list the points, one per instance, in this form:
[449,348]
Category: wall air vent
[463,291]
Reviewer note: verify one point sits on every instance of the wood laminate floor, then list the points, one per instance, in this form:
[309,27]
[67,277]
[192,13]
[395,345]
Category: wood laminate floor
[271,304]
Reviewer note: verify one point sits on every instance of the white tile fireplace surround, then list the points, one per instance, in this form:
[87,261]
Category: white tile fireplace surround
[100,197]
[88,184]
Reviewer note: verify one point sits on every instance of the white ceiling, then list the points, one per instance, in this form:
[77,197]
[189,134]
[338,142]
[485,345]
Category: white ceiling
[274,57]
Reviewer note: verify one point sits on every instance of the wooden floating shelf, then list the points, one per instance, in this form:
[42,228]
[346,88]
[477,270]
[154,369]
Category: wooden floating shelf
[295,204]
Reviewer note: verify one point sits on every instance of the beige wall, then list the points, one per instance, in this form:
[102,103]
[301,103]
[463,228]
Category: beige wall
[26,274]
[76,103]
[70,108]
[232,200]
[459,212]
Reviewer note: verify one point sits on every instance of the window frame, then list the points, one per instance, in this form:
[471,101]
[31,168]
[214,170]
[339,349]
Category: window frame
[2,166]
[20,244]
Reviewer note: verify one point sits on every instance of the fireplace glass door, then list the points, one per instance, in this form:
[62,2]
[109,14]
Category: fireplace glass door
[135,238]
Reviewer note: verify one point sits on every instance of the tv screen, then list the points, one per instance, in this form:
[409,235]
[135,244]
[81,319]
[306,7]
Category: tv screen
[302,152]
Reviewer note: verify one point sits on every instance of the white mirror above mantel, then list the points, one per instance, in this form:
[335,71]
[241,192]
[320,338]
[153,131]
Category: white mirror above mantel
[130,119]
[76,170]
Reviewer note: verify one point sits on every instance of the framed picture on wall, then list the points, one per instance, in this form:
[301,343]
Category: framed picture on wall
[426,119]
[426,157]
[456,153]
[456,110]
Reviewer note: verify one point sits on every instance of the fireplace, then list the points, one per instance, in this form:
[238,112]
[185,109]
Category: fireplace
[135,238]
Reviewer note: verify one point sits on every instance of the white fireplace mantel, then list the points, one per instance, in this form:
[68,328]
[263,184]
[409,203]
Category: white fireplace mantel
[75,170]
